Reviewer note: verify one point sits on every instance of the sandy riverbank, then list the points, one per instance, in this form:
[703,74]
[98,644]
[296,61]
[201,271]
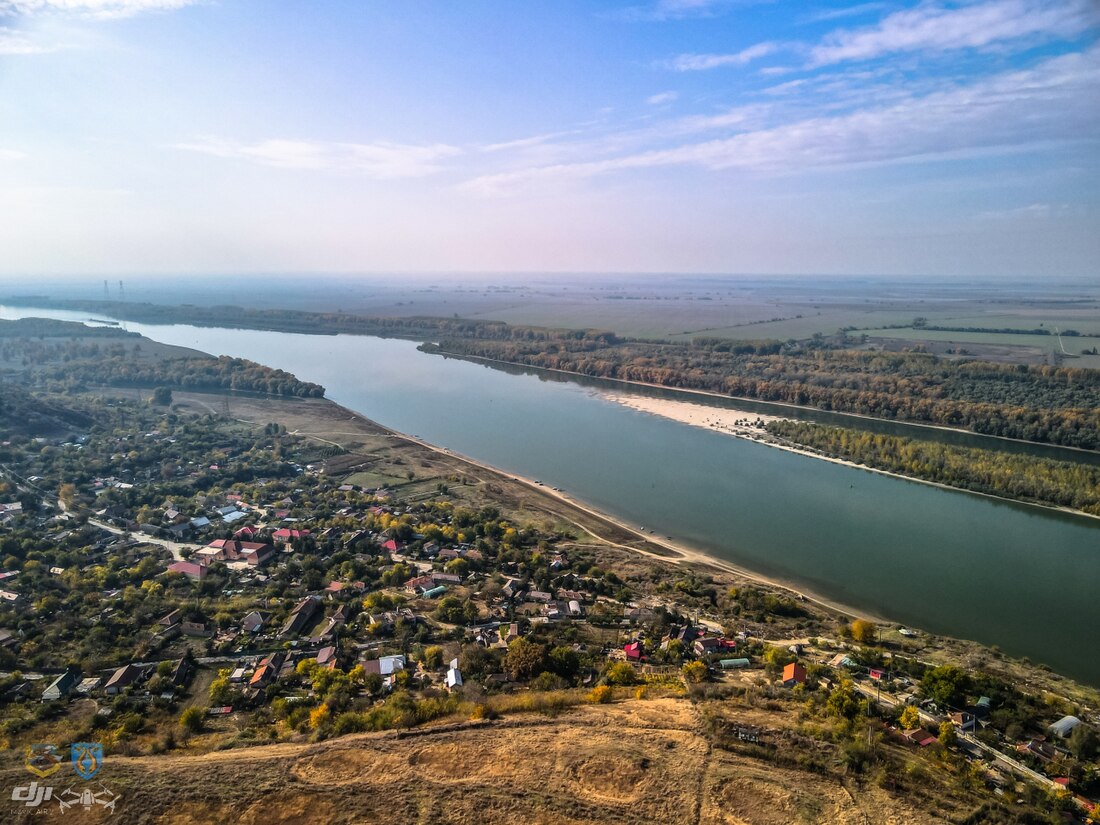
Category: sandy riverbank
[749,425]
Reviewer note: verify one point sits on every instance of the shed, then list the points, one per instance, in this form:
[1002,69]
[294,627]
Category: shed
[1064,726]
[733,664]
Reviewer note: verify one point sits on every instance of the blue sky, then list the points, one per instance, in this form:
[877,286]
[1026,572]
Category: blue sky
[221,136]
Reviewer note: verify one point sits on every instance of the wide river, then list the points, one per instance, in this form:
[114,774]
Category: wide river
[1020,577]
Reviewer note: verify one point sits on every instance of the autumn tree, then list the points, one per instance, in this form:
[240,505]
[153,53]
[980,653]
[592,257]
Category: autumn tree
[864,632]
[695,672]
[910,718]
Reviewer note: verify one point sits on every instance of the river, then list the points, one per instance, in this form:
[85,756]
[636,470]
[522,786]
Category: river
[1020,577]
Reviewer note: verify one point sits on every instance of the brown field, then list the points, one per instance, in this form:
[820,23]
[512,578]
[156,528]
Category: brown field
[641,761]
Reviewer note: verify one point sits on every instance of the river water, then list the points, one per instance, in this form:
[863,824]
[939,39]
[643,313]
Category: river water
[1020,577]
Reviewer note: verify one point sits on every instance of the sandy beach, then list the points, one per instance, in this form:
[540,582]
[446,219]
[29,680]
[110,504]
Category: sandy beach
[735,422]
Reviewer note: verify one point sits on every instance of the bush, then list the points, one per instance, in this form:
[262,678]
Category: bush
[601,695]
[191,720]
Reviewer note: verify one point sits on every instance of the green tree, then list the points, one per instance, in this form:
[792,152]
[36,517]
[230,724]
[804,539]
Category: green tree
[1084,742]
[945,685]
[620,673]
[162,396]
[524,659]
[191,720]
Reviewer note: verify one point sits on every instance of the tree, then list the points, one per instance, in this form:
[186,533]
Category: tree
[191,720]
[524,659]
[433,657]
[910,718]
[66,494]
[620,673]
[843,701]
[945,685]
[695,672]
[948,737]
[1084,742]
[162,396]
[864,632]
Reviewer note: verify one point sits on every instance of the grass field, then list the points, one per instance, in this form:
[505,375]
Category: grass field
[1045,344]
[636,761]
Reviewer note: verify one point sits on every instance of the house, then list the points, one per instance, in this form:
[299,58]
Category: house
[454,675]
[285,535]
[200,523]
[326,657]
[963,720]
[171,619]
[843,660]
[195,629]
[918,736]
[1043,751]
[193,571]
[634,651]
[122,678]
[268,670]
[253,622]
[794,674]
[181,671]
[384,666]
[302,614]
[419,583]
[391,546]
[246,533]
[448,578]
[254,553]
[1064,726]
[62,686]
[706,647]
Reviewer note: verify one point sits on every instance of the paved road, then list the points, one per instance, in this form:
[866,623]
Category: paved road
[174,547]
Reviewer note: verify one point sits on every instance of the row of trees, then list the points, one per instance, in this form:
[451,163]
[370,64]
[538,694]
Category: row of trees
[1043,480]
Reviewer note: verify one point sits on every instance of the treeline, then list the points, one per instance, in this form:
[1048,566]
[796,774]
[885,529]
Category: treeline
[319,323]
[1022,477]
[1056,405]
[221,373]
[50,328]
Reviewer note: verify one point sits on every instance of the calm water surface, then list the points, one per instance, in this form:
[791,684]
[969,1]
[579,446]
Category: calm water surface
[949,562]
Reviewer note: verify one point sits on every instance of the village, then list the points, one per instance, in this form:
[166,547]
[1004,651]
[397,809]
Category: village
[157,595]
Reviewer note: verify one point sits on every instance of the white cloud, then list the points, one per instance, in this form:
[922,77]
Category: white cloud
[662,98]
[938,27]
[702,62]
[11,154]
[823,15]
[382,160]
[89,8]
[1057,101]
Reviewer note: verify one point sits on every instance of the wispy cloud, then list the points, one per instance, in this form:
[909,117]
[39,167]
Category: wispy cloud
[938,27]
[1033,211]
[14,42]
[89,8]
[824,15]
[677,9]
[1058,100]
[702,62]
[382,160]
[11,154]
[661,99]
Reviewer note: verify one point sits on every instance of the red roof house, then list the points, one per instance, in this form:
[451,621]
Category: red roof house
[794,674]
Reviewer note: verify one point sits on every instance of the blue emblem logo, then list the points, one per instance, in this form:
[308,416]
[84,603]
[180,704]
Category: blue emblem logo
[87,758]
